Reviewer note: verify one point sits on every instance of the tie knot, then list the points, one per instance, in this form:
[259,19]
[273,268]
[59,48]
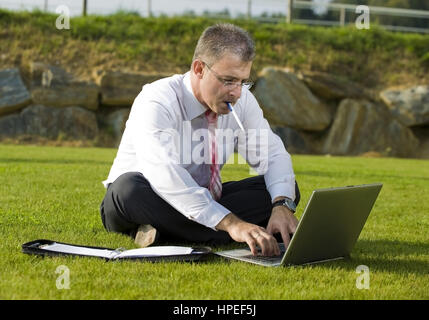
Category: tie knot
[211,116]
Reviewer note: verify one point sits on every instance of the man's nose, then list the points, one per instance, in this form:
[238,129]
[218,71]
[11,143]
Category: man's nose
[235,92]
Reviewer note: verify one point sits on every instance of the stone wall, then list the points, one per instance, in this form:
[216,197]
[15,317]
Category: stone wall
[44,101]
[318,113]
[313,113]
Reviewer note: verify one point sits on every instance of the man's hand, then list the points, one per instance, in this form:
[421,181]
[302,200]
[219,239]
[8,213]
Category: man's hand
[282,221]
[252,234]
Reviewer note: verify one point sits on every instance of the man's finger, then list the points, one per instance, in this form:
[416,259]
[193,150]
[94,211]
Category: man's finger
[286,238]
[275,249]
[264,243]
[268,244]
[251,242]
[271,230]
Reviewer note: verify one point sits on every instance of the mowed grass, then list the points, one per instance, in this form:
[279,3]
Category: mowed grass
[54,193]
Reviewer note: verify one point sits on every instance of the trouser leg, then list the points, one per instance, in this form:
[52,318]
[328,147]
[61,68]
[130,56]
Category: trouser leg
[250,200]
[130,201]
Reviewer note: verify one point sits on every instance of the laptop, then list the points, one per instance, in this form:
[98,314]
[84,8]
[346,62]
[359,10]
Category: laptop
[328,229]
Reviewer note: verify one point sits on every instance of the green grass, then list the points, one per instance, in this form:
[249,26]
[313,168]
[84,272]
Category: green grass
[54,193]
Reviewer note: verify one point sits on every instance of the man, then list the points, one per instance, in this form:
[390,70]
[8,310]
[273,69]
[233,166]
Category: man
[165,179]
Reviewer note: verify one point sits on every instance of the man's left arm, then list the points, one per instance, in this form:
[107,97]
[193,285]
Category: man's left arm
[267,154]
[282,221]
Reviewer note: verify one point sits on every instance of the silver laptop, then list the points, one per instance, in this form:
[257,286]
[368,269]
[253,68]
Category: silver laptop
[328,229]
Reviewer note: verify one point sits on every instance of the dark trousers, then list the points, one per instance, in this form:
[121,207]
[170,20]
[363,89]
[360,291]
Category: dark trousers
[130,201]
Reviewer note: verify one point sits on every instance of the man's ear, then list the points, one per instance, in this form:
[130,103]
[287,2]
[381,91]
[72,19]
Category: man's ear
[197,68]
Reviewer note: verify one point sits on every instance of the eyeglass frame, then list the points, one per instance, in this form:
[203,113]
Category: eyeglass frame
[228,83]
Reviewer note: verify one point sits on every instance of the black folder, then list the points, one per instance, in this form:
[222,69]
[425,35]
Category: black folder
[44,247]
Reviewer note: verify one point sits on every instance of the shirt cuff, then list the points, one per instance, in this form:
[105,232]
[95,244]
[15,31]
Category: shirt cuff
[211,215]
[282,189]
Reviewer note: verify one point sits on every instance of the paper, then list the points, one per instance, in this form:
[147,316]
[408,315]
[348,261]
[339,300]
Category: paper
[155,252]
[113,254]
[64,248]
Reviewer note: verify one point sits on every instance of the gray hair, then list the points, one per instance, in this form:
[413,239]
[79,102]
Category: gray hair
[223,38]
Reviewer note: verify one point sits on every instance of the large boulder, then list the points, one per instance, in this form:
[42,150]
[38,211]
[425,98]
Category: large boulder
[121,88]
[53,86]
[68,123]
[332,87]
[300,142]
[410,106]
[361,126]
[112,125]
[422,133]
[287,102]
[67,96]
[13,93]
[42,74]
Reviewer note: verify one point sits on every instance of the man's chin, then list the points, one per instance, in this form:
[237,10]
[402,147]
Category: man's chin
[223,108]
[220,108]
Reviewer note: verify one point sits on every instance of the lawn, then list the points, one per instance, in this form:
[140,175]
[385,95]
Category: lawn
[54,193]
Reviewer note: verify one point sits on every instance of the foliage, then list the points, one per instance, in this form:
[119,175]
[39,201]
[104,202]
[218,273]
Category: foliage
[166,44]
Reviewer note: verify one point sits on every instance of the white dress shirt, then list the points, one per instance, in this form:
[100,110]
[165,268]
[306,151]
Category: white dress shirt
[165,139]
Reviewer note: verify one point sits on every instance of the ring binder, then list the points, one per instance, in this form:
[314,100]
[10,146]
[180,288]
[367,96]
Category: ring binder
[43,247]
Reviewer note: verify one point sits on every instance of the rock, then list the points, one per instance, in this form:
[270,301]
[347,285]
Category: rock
[117,120]
[66,96]
[53,123]
[424,148]
[361,126]
[121,88]
[113,125]
[287,102]
[329,86]
[45,75]
[410,106]
[13,93]
[78,123]
[53,86]
[422,133]
[300,142]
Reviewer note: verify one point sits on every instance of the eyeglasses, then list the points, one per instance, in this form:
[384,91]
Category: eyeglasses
[229,83]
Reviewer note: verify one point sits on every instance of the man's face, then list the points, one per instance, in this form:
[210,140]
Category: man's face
[230,69]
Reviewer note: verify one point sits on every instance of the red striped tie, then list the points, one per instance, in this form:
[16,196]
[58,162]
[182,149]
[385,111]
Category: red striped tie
[215,185]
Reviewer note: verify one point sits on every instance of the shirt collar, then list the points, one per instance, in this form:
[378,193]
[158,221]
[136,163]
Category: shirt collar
[192,106]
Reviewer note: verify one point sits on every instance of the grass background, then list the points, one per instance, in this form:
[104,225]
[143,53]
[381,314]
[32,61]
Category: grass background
[54,193]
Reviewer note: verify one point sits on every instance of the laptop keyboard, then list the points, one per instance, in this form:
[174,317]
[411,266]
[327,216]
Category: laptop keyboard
[263,258]
[267,258]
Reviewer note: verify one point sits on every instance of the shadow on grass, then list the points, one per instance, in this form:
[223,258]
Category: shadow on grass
[378,255]
[387,255]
